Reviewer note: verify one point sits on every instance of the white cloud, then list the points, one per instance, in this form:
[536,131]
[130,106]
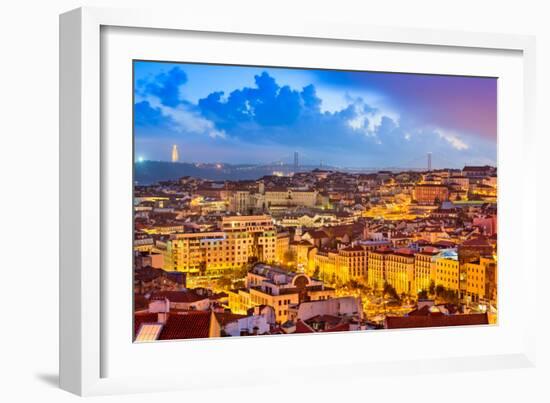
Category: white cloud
[369,122]
[185,119]
[453,139]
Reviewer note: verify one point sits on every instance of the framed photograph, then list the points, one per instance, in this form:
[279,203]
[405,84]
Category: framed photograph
[241,188]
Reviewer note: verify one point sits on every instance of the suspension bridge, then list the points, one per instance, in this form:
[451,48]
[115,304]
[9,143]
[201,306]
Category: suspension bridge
[299,161]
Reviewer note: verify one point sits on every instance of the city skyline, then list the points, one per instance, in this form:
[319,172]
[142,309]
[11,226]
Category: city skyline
[236,115]
[237,232]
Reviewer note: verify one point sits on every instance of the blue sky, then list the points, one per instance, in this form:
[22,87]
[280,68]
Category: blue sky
[239,114]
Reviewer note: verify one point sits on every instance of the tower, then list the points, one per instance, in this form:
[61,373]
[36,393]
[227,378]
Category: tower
[175,153]
[296,161]
[429,161]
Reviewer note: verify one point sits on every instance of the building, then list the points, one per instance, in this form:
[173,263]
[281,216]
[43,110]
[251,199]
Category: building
[350,307]
[399,267]
[481,281]
[478,171]
[474,248]
[424,270]
[430,194]
[376,274]
[447,270]
[148,259]
[282,247]
[289,197]
[242,239]
[352,263]
[277,288]
[148,279]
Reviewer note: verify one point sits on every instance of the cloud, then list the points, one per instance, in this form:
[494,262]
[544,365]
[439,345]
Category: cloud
[166,86]
[269,114]
[453,139]
[160,104]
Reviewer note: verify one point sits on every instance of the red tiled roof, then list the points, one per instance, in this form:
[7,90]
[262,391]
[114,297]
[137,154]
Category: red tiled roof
[356,248]
[224,318]
[342,327]
[302,327]
[317,234]
[406,322]
[178,296]
[190,325]
[478,241]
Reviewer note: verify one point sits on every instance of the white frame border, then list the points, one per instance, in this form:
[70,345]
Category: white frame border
[80,173]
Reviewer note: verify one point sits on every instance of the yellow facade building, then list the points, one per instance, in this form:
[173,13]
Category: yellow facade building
[424,271]
[212,253]
[447,273]
[481,280]
[376,274]
[277,288]
[399,267]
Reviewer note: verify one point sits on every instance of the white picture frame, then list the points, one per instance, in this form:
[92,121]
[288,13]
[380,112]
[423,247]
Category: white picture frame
[83,339]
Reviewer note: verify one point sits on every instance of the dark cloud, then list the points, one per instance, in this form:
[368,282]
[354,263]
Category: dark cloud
[166,86]
[147,116]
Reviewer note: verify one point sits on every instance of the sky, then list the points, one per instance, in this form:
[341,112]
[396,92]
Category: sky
[245,114]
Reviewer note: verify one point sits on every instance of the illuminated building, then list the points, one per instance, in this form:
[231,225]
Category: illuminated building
[342,307]
[376,274]
[241,201]
[424,270]
[254,223]
[175,153]
[289,197]
[300,250]
[478,171]
[212,253]
[282,246]
[351,263]
[481,280]
[429,194]
[277,288]
[324,264]
[399,266]
[447,270]
[461,182]
[340,265]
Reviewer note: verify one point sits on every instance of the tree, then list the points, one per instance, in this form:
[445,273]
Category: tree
[431,289]
[439,290]
[225,282]
[423,294]
[317,272]
[289,256]
[390,290]
[202,268]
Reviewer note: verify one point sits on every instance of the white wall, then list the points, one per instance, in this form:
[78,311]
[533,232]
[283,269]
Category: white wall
[28,160]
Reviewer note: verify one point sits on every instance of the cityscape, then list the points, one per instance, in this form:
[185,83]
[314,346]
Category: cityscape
[383,232]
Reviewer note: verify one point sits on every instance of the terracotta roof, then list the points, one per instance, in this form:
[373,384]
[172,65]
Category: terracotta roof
[190,325]
[328,319]
[224,318]
[412,321]
[356,248]
[302,327]
[478,241]
[178,296]
[317,234]
[343,327]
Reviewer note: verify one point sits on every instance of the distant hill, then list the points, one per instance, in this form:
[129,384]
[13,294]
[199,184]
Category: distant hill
[148,172]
